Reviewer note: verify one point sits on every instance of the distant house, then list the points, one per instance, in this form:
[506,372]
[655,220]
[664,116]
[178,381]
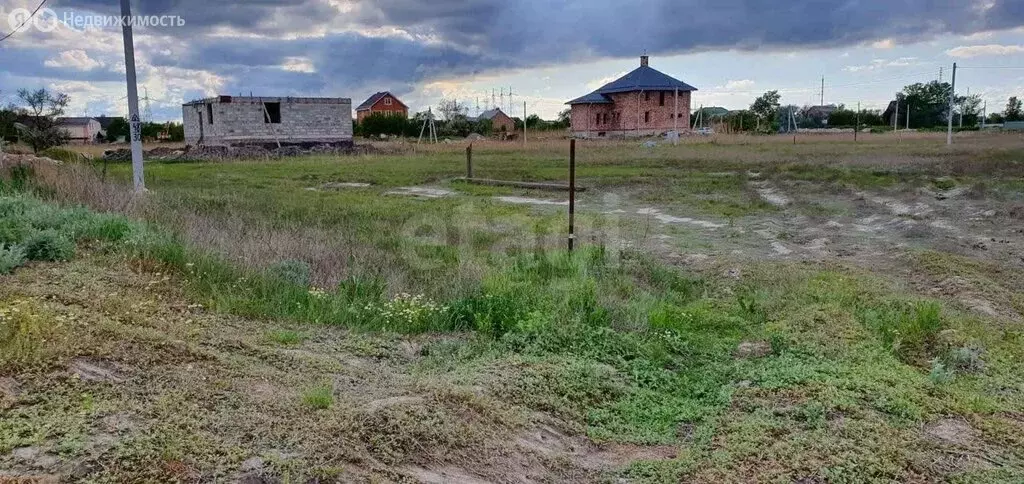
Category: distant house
[81,129]
[500,122]
[382,102]
[642,103]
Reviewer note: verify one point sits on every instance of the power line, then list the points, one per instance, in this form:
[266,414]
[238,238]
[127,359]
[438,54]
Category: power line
[990,67]
[33,14]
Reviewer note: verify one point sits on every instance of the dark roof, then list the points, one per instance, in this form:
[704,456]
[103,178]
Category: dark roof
[489,114]
[106,120]
[370,101]
[643,78]
[76,121]
[592,98]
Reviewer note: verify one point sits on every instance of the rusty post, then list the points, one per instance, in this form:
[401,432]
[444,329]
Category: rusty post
[469,161]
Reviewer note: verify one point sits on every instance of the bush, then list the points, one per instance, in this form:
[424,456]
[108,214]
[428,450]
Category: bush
[48,245]
[64,155]
[11,257]
[13,230]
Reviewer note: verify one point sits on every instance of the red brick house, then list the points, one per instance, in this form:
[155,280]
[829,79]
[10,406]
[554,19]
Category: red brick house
[382,102]
[500,122]
[644,102]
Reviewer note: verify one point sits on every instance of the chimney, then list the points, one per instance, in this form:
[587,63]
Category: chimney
[643,61]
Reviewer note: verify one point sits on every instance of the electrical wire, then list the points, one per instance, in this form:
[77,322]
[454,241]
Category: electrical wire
[33,14]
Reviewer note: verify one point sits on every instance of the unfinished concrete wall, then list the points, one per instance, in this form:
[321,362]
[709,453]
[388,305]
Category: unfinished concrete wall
[228,120]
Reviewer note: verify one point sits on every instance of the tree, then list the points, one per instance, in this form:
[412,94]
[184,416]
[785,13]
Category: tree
[41,129]
[1013,110]
[449,109]
[766,106]
[970,109]
[564,118]
[118,129]
[534,122]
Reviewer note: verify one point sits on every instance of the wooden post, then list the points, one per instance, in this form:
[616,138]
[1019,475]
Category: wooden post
[572,194]
[469,161]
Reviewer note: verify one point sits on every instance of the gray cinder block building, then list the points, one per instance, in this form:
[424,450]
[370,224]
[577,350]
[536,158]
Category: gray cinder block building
[236,120]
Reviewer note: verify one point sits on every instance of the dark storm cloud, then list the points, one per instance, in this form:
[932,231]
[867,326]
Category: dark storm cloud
[468,36]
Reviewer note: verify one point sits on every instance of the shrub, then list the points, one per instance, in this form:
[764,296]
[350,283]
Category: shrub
[48,245]
[13,230]
[11,257]
[65,155]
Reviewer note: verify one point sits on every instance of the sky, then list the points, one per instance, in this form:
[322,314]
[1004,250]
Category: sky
[545,52]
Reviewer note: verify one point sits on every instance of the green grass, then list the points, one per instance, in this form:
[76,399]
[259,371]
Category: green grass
[285,337]
[613,344]
[319,397]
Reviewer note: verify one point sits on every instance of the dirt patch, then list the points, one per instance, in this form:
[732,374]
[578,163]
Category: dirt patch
[952,431]
[96,371]
[422,192]
[753,349]
[671,219]
[531,201]
[443,475]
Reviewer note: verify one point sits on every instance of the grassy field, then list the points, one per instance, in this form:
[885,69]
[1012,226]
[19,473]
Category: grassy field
[740,309]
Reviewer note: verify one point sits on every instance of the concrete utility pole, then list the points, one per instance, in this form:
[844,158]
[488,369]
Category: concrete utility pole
[908,116]
[822,91]
[952,98]
[984,114]
[138,179]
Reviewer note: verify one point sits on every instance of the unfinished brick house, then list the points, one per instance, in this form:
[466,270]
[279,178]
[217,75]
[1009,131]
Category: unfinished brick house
[382,102]
[237,120]
[644,102]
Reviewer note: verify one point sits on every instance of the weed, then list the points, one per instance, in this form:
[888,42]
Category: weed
[940,374]
[320,397]
[49,245]
[11,257]
[909,330]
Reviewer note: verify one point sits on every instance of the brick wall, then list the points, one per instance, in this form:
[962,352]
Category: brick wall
[242,120]
[630,110]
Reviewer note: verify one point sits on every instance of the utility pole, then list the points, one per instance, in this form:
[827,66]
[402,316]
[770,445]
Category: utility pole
[822,91]
[940,75]
[675,119]
[524,123]
[952,97]
[135,123]
[984,114]
[908,116]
